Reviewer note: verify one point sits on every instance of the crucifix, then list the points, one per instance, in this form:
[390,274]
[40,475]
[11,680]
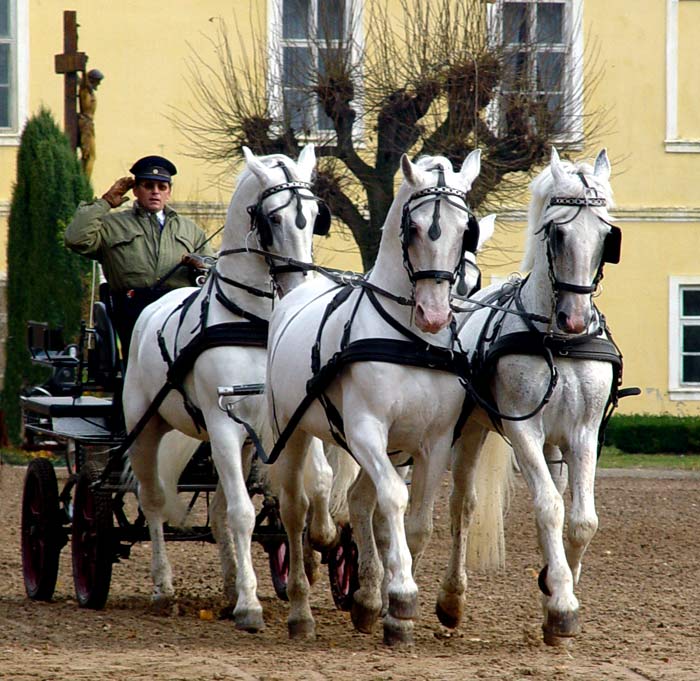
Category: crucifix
[69,64]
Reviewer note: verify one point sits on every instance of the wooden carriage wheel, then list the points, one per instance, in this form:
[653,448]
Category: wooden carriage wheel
[278,558]
[92,542]
[43,536]
[342,570]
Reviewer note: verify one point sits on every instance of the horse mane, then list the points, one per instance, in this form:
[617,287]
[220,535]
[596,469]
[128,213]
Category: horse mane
[542,190]
[270,161]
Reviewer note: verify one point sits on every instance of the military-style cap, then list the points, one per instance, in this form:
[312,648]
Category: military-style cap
[153,168]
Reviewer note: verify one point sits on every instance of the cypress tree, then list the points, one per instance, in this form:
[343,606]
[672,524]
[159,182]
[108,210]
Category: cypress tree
[46,282]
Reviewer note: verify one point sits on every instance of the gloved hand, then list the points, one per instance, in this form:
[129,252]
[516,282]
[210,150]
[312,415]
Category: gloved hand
[195,261]
[114,196]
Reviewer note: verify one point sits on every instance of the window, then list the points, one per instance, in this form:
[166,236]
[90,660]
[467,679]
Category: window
[682,86]
[13,68]
[542,43]
[7,52]
[684,338]
[305,37]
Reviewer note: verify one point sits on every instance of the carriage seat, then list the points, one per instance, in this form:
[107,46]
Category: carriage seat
[103,363]
[47,348]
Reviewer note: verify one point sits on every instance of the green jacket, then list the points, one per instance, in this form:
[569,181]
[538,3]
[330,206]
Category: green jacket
[129,244]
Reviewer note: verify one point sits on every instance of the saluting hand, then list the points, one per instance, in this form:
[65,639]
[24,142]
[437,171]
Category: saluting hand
[114,196]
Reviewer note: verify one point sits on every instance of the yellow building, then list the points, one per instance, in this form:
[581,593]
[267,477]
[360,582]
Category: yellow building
[645,52]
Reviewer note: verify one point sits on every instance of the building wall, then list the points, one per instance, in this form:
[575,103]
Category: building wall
[143,50]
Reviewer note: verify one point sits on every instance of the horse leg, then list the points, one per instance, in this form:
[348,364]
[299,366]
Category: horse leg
[225,545]
[451,597]
[288,471]
[557,467]
[560,605]
[428,469]
[367,600]
[143,458]
[318,481]
[368,441]
[226,448]
[583,520]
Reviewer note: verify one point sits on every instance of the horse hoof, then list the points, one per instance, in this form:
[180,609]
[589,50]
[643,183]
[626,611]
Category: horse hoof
[251,621]
[301,629]
[398,633]
[164,606]
[448,619]
[403,607]
[560,629]
[363,618]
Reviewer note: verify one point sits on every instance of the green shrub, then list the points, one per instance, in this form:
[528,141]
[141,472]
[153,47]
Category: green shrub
[45,280]
[649,434]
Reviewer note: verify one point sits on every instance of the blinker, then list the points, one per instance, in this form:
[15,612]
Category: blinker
[612,248]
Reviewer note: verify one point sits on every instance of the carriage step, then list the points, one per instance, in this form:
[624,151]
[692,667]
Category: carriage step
[79,407]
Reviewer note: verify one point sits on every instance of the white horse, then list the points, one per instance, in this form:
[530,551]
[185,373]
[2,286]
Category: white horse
[271,209]
[397,400]
[549,386]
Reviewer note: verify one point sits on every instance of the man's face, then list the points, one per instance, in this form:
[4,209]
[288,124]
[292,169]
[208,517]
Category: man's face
[152,195]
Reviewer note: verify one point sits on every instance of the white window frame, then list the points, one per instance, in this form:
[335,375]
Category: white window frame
[678,390]
[573,77]
[276,43]
[19,72]
[673,143]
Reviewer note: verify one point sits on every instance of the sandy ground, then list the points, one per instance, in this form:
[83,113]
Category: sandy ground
[639,595]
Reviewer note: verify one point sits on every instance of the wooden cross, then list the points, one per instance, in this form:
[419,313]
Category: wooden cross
[70,63]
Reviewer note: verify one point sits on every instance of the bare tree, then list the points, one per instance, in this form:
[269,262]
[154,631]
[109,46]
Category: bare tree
[432,81]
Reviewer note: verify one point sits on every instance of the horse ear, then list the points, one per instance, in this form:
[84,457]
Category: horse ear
[602,165]
[470,168]
[409,170]
[260,170]
[487,224]
[558,172]
[307,160]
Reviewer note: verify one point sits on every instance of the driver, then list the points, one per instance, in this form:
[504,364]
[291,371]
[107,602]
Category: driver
[139,247]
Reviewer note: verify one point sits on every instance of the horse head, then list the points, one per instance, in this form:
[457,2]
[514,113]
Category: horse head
[571,236]
[437,227]
[283,212]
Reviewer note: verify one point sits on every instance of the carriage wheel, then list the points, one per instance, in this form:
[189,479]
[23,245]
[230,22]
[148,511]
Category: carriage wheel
[342,570]
[42,534]
[92,543]
[278,557]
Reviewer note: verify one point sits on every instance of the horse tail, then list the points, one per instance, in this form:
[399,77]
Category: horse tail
[174,452]
[495,476]
[345,470]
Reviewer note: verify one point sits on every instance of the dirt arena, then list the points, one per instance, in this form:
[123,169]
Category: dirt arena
[639,593]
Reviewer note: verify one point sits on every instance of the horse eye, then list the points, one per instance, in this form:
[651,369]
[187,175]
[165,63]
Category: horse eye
[557,238]
[276,219]
[412,230]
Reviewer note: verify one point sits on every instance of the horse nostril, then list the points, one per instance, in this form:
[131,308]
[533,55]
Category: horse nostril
[562,321]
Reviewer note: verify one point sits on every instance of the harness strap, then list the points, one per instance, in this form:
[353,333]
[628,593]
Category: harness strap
[388,350]
[244,334]
[547,346]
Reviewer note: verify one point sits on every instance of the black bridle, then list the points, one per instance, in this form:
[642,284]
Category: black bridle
[471,233]
[611,246]
[261,220]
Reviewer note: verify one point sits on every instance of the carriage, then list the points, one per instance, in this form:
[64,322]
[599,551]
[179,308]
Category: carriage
[572,373]
[77,415]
